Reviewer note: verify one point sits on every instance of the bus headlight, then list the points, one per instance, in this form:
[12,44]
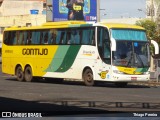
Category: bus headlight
[146,73]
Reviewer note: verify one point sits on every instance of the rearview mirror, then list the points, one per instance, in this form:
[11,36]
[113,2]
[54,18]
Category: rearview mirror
[156,46]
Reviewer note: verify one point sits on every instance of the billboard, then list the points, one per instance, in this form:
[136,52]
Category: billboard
[64,10]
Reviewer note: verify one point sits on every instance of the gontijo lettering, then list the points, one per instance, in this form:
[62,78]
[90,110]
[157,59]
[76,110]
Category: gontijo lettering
[35,51]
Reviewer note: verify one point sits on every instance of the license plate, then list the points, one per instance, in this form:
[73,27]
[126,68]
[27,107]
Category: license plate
[134,78]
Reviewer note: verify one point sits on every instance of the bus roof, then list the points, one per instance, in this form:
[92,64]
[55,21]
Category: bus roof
[66,24]
[121,25]
[61,24]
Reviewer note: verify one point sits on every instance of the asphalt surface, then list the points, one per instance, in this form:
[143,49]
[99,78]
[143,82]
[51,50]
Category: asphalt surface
[73,98]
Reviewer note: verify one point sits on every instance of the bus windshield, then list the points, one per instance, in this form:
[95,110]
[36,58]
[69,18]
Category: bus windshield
[129,34]
[132,48]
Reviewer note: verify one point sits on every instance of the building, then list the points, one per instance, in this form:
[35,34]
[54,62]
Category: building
[153,10]
[21,13]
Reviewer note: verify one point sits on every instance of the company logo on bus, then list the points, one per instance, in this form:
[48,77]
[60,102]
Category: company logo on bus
[103,74]
[35,51]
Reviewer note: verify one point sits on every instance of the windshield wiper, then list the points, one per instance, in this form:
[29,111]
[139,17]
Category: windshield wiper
[130,59]
[139,58]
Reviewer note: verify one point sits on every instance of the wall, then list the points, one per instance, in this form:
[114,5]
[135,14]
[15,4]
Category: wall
[17,13]
[21,20]
[10,8]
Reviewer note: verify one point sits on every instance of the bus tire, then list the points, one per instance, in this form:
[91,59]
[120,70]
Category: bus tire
[28,74]
[88,77]
[19,73]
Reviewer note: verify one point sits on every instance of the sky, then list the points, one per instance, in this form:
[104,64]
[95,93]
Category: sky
[122,8]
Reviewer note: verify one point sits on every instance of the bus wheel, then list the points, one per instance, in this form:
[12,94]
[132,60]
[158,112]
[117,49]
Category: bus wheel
[121,84]
[19,73]
[28,74]
[88,77]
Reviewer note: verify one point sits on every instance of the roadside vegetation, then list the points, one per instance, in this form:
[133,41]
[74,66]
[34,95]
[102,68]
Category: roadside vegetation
[153,33]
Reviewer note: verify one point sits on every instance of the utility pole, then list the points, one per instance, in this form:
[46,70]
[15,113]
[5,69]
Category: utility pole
[151,14]
[98,10]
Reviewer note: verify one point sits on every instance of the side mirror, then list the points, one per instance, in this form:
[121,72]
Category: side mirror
[156,46]
[113,44]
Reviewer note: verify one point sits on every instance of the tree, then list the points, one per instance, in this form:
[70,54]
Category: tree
[150,26]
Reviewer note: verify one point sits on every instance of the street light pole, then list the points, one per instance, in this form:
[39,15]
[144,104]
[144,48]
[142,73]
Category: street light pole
[98,10]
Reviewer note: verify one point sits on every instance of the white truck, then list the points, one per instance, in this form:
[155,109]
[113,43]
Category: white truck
[155,70]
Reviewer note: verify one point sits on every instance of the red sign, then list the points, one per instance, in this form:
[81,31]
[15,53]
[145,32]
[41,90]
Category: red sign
[134,78]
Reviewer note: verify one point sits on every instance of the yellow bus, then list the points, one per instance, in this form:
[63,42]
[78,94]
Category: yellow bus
[78,50]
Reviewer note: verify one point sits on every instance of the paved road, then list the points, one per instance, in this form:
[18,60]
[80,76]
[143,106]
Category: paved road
[69,97]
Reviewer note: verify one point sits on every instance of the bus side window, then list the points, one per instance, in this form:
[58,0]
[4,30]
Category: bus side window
[85,38]
[68,37]
[58,36]
[80,35]
[46,38]
[72,41]
[100,34]
[35,37]
[21,37]
[92,36]
[29,38]
[93,39]
[43,37]
[25,38]
[75,37]
[104,44]
[7,36]
[63,38]
[50,37]
[16,38]
[13,36]
[54,36]
[88,36]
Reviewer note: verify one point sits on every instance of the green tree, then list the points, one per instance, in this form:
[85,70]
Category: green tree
[151,29]
[150,26]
